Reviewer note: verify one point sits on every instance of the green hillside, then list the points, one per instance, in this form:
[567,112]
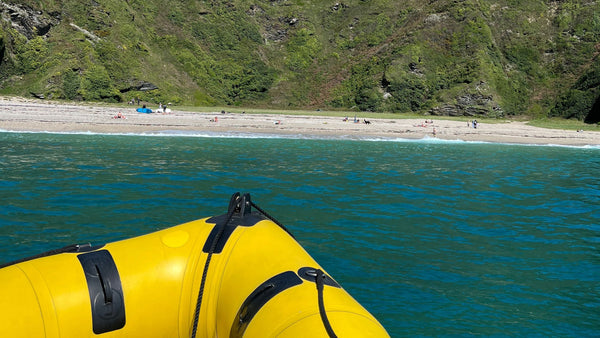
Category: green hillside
[444,57]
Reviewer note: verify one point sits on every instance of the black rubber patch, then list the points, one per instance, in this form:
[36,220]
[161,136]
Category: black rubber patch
[247,221]
[106,292]
[259,297]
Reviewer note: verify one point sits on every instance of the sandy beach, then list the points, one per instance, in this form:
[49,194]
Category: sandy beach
[18,114]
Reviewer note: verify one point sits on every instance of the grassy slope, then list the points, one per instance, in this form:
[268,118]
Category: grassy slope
[495,56]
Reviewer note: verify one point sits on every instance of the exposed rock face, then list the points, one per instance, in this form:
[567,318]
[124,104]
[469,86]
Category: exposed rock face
[140,86]
[338,6]
[38,95]
[27,21]
[145,86]
[273,30]
[469,105]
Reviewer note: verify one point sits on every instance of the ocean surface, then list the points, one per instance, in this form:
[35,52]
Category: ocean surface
[434,238]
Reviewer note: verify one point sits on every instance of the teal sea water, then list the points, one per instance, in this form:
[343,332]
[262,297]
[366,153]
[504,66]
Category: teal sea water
[433,238]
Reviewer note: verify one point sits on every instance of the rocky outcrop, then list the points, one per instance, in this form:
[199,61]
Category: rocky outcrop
[141,86]
[273,30]
[146,86]
[338,6]
[469,105]
[40,96]
[27,21]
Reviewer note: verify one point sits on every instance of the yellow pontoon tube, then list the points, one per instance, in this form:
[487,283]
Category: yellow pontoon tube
[237,275]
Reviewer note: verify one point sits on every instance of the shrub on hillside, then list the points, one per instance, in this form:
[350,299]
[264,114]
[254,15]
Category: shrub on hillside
[96,85]
[71,84]
[32,54]
[574,104]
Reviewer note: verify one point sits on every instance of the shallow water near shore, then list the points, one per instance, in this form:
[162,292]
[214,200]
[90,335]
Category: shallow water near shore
[434,239]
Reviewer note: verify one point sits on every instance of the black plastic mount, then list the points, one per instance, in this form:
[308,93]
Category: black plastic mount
[239,214]
[106,292]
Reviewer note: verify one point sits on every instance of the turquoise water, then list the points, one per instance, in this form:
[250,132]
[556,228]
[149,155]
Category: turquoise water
[434,239]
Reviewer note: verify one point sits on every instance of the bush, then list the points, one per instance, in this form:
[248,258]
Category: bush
[31,55]
[582,100]
[594,115]
[248,82]
[589,80]
[303,47]
[368,99]
[96,85]
[71,84]
[575,104]
[2,49]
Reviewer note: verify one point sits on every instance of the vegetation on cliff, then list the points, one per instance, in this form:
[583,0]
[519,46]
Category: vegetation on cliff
[446,57]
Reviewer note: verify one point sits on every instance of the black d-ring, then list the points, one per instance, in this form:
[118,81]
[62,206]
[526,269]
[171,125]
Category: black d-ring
[310,274]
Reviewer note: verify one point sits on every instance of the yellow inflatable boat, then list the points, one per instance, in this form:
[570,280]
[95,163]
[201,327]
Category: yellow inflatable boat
[239,275]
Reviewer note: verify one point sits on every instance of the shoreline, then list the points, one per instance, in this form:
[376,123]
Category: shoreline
[25,115]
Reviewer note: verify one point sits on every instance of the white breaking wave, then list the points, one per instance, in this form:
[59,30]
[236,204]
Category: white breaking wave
[241,135]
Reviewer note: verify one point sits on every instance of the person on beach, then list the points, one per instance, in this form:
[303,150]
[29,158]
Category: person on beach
[119,116]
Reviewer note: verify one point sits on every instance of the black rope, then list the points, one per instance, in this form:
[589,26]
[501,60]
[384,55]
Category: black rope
[319,280]
[68,248]
[205,272]
[234,206]
[272,219]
